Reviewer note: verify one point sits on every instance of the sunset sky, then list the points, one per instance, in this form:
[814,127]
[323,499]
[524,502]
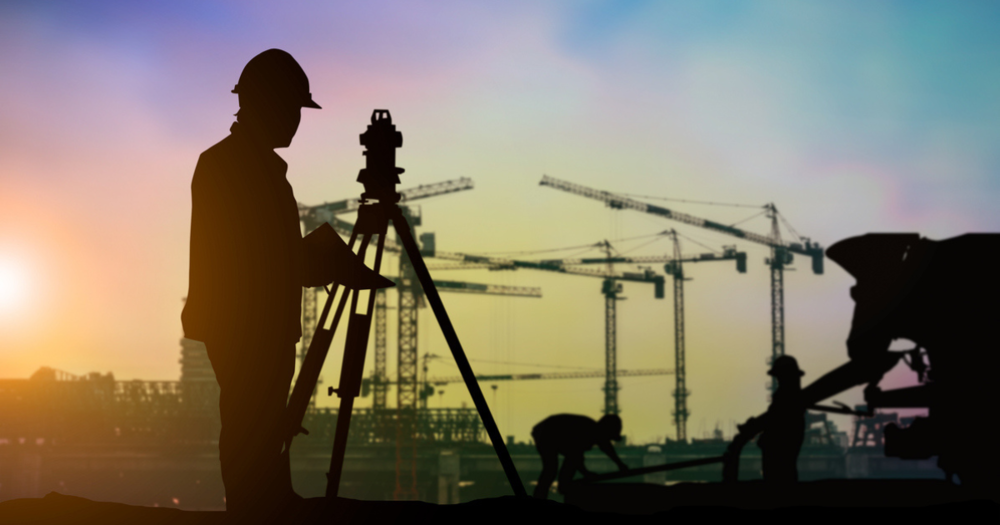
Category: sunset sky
[852,117]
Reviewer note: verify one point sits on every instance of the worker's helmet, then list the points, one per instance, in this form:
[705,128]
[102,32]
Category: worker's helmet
[274,75]
[785,366]
[611,425]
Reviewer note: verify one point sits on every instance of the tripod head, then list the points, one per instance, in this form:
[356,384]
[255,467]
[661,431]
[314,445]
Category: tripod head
[380,174]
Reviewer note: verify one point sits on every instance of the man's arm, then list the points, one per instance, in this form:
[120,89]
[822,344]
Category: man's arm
[608,449]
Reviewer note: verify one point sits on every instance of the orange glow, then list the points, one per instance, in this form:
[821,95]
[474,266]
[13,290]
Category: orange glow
[13,285]
[15,278]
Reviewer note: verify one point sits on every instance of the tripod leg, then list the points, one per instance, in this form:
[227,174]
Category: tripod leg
[358,329]
[406,236]
[298,402]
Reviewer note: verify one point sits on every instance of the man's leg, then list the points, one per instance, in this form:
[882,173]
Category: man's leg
[254,376]
[778,466]
[550,463]
[571,464]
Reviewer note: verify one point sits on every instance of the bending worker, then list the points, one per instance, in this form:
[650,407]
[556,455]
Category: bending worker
[249,263]
[572,435]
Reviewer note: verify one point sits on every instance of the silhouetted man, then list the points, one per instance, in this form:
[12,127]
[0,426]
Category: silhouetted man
[572,435]
[249,263]
[782,437]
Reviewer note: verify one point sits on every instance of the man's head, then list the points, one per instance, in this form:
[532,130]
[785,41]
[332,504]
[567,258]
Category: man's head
[273,89]
[786,370]
[610,427]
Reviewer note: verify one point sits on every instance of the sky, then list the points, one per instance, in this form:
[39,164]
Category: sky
[852,117]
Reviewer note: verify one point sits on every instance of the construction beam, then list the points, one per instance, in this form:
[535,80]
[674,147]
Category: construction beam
[649,470]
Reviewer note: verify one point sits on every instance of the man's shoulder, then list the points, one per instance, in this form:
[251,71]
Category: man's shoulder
[562,420]
[219,165]
[218,151]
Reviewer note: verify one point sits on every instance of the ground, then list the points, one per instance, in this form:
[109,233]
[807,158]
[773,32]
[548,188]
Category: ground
[854,501]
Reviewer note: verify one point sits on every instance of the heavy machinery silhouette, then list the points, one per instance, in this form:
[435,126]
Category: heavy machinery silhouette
[781,252]
[942,296]
[610,288]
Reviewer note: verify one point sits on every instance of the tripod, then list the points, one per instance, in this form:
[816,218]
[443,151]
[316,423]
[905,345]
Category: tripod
[378,207]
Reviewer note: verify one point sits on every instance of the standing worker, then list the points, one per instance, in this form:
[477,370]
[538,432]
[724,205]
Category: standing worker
[249,263]
[572,435]
[782,436]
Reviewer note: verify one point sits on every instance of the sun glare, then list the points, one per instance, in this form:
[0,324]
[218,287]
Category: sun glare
[13,286]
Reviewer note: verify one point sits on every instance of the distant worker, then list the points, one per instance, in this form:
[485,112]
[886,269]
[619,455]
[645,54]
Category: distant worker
[784,431]
[572,435]
[248,265]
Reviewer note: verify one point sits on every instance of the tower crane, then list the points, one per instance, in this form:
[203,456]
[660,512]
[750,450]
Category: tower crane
[610,288]
[675,268]
[781,252]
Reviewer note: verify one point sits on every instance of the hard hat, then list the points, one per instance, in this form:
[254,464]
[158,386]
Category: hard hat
[274,73]
[785,365]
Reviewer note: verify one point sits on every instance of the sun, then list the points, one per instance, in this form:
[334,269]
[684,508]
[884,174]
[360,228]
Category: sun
[13,285]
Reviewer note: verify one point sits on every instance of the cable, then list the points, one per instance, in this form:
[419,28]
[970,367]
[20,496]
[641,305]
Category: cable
[748,218]
[642,245]
[528,252]
[574,254]
[583,247]
[789,226]
[589,369]
[709,248]
[657,234]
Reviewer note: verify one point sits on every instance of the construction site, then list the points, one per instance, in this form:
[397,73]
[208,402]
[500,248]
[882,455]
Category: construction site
[155,443]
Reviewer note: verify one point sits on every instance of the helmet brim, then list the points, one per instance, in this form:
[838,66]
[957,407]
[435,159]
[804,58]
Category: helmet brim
[310,104]
[785,372]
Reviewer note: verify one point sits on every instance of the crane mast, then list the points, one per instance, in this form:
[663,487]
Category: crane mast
[779,258]
[406,373]
[681,392]
[676,269]
[611,289]
[781,252]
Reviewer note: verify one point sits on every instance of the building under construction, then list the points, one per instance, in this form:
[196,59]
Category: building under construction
[156,443]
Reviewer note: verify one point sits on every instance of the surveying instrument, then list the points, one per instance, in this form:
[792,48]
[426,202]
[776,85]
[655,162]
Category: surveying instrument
[378,206]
